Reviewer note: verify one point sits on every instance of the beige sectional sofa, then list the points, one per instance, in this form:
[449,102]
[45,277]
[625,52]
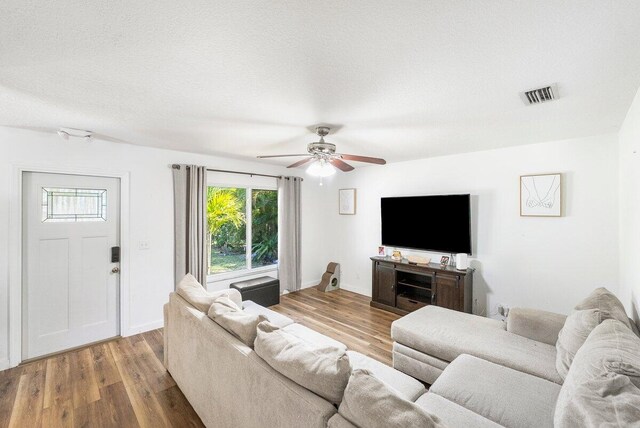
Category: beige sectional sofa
[484,373]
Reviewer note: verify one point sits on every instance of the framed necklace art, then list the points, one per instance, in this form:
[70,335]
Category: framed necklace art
[541,195]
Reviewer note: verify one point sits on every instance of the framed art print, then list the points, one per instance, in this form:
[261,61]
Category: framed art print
[347,201]
[541,195]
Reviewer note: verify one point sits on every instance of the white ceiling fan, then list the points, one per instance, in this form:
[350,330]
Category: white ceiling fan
[325,158]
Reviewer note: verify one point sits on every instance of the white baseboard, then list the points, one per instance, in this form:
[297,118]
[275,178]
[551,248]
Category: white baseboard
[309,284]
[143,328]
[4,364]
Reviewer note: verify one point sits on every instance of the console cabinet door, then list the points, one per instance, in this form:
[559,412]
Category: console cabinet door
[385,281]
[448,292]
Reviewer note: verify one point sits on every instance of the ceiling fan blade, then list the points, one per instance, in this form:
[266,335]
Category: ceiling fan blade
[342,166]
[367,159]
[280,156]
[301,162]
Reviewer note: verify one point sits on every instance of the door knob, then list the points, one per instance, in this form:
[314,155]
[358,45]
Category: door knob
[115,270]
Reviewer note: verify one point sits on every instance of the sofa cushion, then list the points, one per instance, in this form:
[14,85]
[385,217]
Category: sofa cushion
[602,384]
[323,369]
[506,396]
[417,364]
[193,292]
[399,348]
[274,317]
[401,384]
[452,414]
[607,303]
[577,327]
[236,321]
[446,334]
[416,368]
[369,403]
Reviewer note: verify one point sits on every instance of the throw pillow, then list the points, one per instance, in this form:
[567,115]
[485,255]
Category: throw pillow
[607,303]
[322,369]
[598,306]
[610,348]
[236,321]
[602,387]
[576,329]
[369,403]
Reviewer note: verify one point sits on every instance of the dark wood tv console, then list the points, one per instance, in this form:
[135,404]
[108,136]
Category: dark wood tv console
[401,287]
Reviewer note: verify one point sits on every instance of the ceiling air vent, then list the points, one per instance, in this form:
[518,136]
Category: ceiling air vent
[540,95]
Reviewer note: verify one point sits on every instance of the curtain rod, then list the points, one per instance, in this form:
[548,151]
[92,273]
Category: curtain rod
[176,166]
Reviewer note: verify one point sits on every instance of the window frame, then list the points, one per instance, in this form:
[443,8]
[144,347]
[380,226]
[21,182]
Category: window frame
[216,277]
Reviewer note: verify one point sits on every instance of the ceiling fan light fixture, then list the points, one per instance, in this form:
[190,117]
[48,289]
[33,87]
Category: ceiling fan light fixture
[321,169]
[324,158]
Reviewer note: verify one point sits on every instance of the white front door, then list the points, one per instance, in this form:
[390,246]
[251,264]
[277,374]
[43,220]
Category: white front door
[70,284]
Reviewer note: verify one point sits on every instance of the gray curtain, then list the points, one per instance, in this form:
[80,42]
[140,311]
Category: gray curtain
[289,248]
[190,213]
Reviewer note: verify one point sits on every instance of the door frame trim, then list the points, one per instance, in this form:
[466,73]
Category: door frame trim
[15,248]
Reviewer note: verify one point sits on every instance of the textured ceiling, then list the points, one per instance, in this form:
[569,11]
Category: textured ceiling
[404,79]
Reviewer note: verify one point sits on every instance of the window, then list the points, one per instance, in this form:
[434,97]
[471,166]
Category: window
[243,228]
[74,205]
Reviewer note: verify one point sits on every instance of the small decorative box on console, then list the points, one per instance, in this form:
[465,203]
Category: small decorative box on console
[264,291]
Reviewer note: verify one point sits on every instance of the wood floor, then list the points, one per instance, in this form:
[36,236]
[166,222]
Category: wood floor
[122,383]
[344,316]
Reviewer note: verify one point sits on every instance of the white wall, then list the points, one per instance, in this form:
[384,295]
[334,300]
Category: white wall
[151,212]
[548,263]
[629,160]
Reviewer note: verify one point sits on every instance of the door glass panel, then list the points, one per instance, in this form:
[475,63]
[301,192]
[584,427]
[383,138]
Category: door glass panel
[73,205]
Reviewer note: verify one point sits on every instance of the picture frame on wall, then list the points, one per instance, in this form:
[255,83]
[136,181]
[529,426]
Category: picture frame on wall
[347,201]
[541,195]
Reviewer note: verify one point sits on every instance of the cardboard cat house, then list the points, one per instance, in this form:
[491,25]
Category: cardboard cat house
[331,278]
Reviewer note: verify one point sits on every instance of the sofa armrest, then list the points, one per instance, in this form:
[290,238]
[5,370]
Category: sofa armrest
[541,326]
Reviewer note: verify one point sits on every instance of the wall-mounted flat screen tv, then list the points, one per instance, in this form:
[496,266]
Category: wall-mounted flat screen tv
[440,223]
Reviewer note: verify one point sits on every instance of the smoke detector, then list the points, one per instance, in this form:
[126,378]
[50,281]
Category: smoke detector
[540,95]
[65,133]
